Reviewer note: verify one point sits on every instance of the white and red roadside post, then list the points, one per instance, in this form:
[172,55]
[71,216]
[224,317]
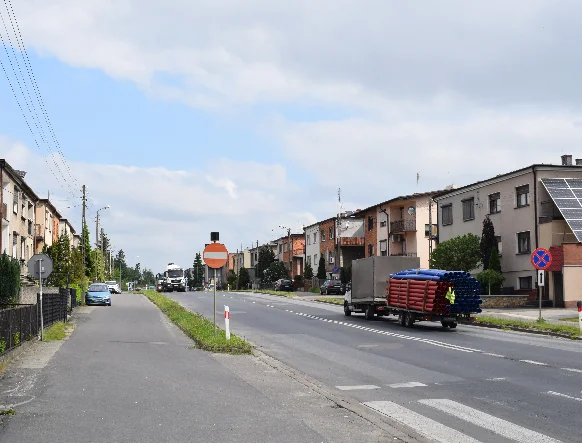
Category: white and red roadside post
[227,322]
[579,304]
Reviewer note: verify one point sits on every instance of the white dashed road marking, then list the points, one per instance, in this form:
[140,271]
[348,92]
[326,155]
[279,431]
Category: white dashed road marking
[412,384]
[532,362]
[572,370]
[557,394]
[357,387]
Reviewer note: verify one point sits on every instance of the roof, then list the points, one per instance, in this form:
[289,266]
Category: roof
[18,177]
[507,174]
[47,202]
[402,197]
[64,220]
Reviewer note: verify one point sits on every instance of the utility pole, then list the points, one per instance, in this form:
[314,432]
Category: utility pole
[83,223]
[96,247]
[429,229]
[339,229]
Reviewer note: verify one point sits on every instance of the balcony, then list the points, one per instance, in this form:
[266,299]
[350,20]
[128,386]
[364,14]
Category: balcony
[38,234]
[352,241]
[403,254]
[402,226]
[549,212]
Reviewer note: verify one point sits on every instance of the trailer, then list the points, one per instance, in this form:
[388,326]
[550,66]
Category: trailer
[413,295]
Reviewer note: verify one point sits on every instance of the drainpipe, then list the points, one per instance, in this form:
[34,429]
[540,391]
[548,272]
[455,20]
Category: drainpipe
[533,168]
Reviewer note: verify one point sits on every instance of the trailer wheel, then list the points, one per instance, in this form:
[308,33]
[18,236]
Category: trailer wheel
[445,324]
[452,325]
[401,318]
[347,311]
[409,320]
[369,313]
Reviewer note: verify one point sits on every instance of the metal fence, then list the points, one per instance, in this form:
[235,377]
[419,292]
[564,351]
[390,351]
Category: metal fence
[17,324]
[54,307]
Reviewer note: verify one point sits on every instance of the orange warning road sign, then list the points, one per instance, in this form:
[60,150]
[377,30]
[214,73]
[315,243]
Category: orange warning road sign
[215,255]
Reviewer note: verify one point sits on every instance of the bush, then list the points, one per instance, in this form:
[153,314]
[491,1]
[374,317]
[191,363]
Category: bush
[298,278]
[493,278]
[9,279]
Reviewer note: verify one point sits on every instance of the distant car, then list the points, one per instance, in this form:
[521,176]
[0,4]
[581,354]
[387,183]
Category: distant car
[284,285]
[332,287]
[113,287]
[98,294]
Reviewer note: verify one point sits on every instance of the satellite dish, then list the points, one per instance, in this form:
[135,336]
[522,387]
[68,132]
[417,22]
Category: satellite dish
[411,210]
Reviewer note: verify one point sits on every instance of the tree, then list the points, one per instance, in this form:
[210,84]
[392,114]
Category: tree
[89,258]
[346,274]
[461,253]
[198,271]
[321,273]
[266,258]
[494,260]
[231,278]
[491,281]
[243,278]
[100,265]
[276,271]
[488,241]
[77,267]
[308,272]
[60,252]
[148,277]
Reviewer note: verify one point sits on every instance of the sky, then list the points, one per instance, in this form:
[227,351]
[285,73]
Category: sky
[245,116]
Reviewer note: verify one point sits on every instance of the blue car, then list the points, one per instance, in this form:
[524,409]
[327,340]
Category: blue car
[98,294]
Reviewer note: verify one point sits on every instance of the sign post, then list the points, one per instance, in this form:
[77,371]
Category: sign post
[215,255]
[227,322]
[579,304]
[541,259]
[40,270]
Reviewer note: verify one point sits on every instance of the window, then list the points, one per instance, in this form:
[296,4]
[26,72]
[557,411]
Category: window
[525,283]
[370,223]
[495,203]
[499,249]
[280,248]
[523,245]
[331,233]
[383,248]
[469,209]
[383,224]
[285,247]
[314,237]
[331,257]
[322,235]
[308,240]
[309,260]
[370,250]
[315,259]
[15,199]
[522,194]
[447,215]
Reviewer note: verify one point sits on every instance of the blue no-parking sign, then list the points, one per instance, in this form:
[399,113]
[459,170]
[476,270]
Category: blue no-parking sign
[541,259]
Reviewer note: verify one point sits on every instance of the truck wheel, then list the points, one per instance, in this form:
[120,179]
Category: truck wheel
[369,313]
[452,325]
[409,320]
[445,324]
[347,311]
[401,318]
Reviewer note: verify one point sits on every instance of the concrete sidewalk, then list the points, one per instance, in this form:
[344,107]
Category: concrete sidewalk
[551,315]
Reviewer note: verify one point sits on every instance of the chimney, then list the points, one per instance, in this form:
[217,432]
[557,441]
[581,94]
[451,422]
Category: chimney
[579,162]
[566,160]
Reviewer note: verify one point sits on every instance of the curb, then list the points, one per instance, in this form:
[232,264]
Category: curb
[519,329]
[327,302]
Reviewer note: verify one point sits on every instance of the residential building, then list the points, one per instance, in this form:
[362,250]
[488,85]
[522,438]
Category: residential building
[76,240]
[291,251]
[47,227]
[17,211]
[351,239]
[525,217]
[312,248]
[401,226]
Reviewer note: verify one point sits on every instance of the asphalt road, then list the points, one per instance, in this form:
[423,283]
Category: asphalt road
[127,375]
[469,384]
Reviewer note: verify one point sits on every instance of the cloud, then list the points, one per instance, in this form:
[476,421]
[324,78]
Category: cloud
[164,215]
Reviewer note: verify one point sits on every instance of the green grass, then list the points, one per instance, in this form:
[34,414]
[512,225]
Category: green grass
[574,319]
[197,327]
[8,412]
[315,290]
[55,332]
[572,331]
[334,300]
[268,291]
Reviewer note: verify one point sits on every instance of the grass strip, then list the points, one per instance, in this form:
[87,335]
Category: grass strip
[332,300]
[565,330]
[574,319]
[268,291]
[197,327]
[55,332]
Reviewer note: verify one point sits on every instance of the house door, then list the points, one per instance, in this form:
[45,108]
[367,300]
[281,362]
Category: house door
[558,289]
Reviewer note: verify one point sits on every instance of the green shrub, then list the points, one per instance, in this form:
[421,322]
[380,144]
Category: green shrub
[9,279]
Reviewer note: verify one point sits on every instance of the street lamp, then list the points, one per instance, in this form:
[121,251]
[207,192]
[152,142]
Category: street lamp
[97,239]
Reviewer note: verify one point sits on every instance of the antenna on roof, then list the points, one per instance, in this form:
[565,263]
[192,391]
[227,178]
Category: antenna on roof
[417,178]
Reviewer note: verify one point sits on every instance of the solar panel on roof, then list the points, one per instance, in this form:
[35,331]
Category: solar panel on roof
[561,193]
[567,200]
[567,203]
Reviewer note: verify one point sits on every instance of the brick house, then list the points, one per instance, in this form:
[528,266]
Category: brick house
[291,251]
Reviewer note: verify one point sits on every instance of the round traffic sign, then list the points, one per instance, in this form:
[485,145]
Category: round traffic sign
[40,265]
[215,255]
[541,258]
